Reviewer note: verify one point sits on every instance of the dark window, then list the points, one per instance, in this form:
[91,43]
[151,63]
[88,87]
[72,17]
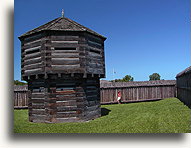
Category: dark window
[60,89]
[33,51]
[64,88]
[67,48]
[95,51]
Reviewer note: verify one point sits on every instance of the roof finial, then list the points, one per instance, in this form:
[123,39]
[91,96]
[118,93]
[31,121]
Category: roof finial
[62,13]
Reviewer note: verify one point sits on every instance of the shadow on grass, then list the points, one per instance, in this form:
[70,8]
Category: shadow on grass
[104,111]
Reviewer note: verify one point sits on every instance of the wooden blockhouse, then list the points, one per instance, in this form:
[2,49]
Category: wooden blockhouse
[63,61]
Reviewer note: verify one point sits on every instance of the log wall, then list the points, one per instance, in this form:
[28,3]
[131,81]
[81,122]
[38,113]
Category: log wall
[95,55]
[184,86]
[58,52]
[108,94]
[62,67]
[32,49]
[64,100]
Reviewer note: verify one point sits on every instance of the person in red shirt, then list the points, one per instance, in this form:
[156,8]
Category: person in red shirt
[119,97]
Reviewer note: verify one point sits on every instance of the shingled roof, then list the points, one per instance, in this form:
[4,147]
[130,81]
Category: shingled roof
[62,24]
[187,70]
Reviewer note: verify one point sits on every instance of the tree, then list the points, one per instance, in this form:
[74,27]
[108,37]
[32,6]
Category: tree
[118,80]
[17,82]
[154,76]
[127,78]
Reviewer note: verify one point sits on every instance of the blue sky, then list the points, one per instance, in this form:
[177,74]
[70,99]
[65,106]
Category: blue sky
[143,36]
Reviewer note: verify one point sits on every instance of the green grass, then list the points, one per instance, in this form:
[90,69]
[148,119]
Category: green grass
[164,116]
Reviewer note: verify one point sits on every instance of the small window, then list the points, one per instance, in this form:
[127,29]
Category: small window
[60,89]
[33,51]
[95,51]
[64,88]
[67,48]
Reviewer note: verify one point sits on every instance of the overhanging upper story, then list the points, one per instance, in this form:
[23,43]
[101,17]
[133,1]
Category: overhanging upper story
[62,46]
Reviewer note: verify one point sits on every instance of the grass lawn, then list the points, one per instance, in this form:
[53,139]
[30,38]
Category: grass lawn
[164,116]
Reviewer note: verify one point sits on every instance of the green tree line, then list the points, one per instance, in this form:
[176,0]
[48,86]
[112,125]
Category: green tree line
[128,78]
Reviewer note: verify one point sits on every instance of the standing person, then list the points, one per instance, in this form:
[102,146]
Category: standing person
[119,97]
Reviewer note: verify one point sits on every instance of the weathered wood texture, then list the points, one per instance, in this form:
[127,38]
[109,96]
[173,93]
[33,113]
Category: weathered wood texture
[131,91]
[64,100]
[95,55]
[62,52]
[184,86]
[20,96]
[137,91]
[62,61]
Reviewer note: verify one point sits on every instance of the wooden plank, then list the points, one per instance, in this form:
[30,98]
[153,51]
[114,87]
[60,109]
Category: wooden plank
[69,119]
[65,51]
[94,43]
[32,49]
[57,67]
[38,111]
[33,66]
[66,63]
[33,55]
[66,108]
[65,59]
[65,42]
[37,95]
[66,103]
[33,37]
[65,55]
[37,59]
[94,38]
[31,45]
[64,38]
[38,100]
[38,106]
[95,55]
[66,114]
[96,71]
[32,42]
[27,72]
[64,45]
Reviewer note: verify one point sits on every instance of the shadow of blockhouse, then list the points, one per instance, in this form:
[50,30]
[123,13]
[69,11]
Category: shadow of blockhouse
[104,111]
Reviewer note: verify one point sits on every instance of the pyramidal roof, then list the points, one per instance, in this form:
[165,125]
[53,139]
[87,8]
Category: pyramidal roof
[62,24]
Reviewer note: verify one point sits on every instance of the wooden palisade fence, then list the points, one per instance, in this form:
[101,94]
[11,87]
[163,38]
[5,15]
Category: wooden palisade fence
[137,91]
[130,91]
[20,96]
[184,86]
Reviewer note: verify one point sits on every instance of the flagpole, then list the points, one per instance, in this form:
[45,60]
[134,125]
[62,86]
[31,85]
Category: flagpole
[113,74]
